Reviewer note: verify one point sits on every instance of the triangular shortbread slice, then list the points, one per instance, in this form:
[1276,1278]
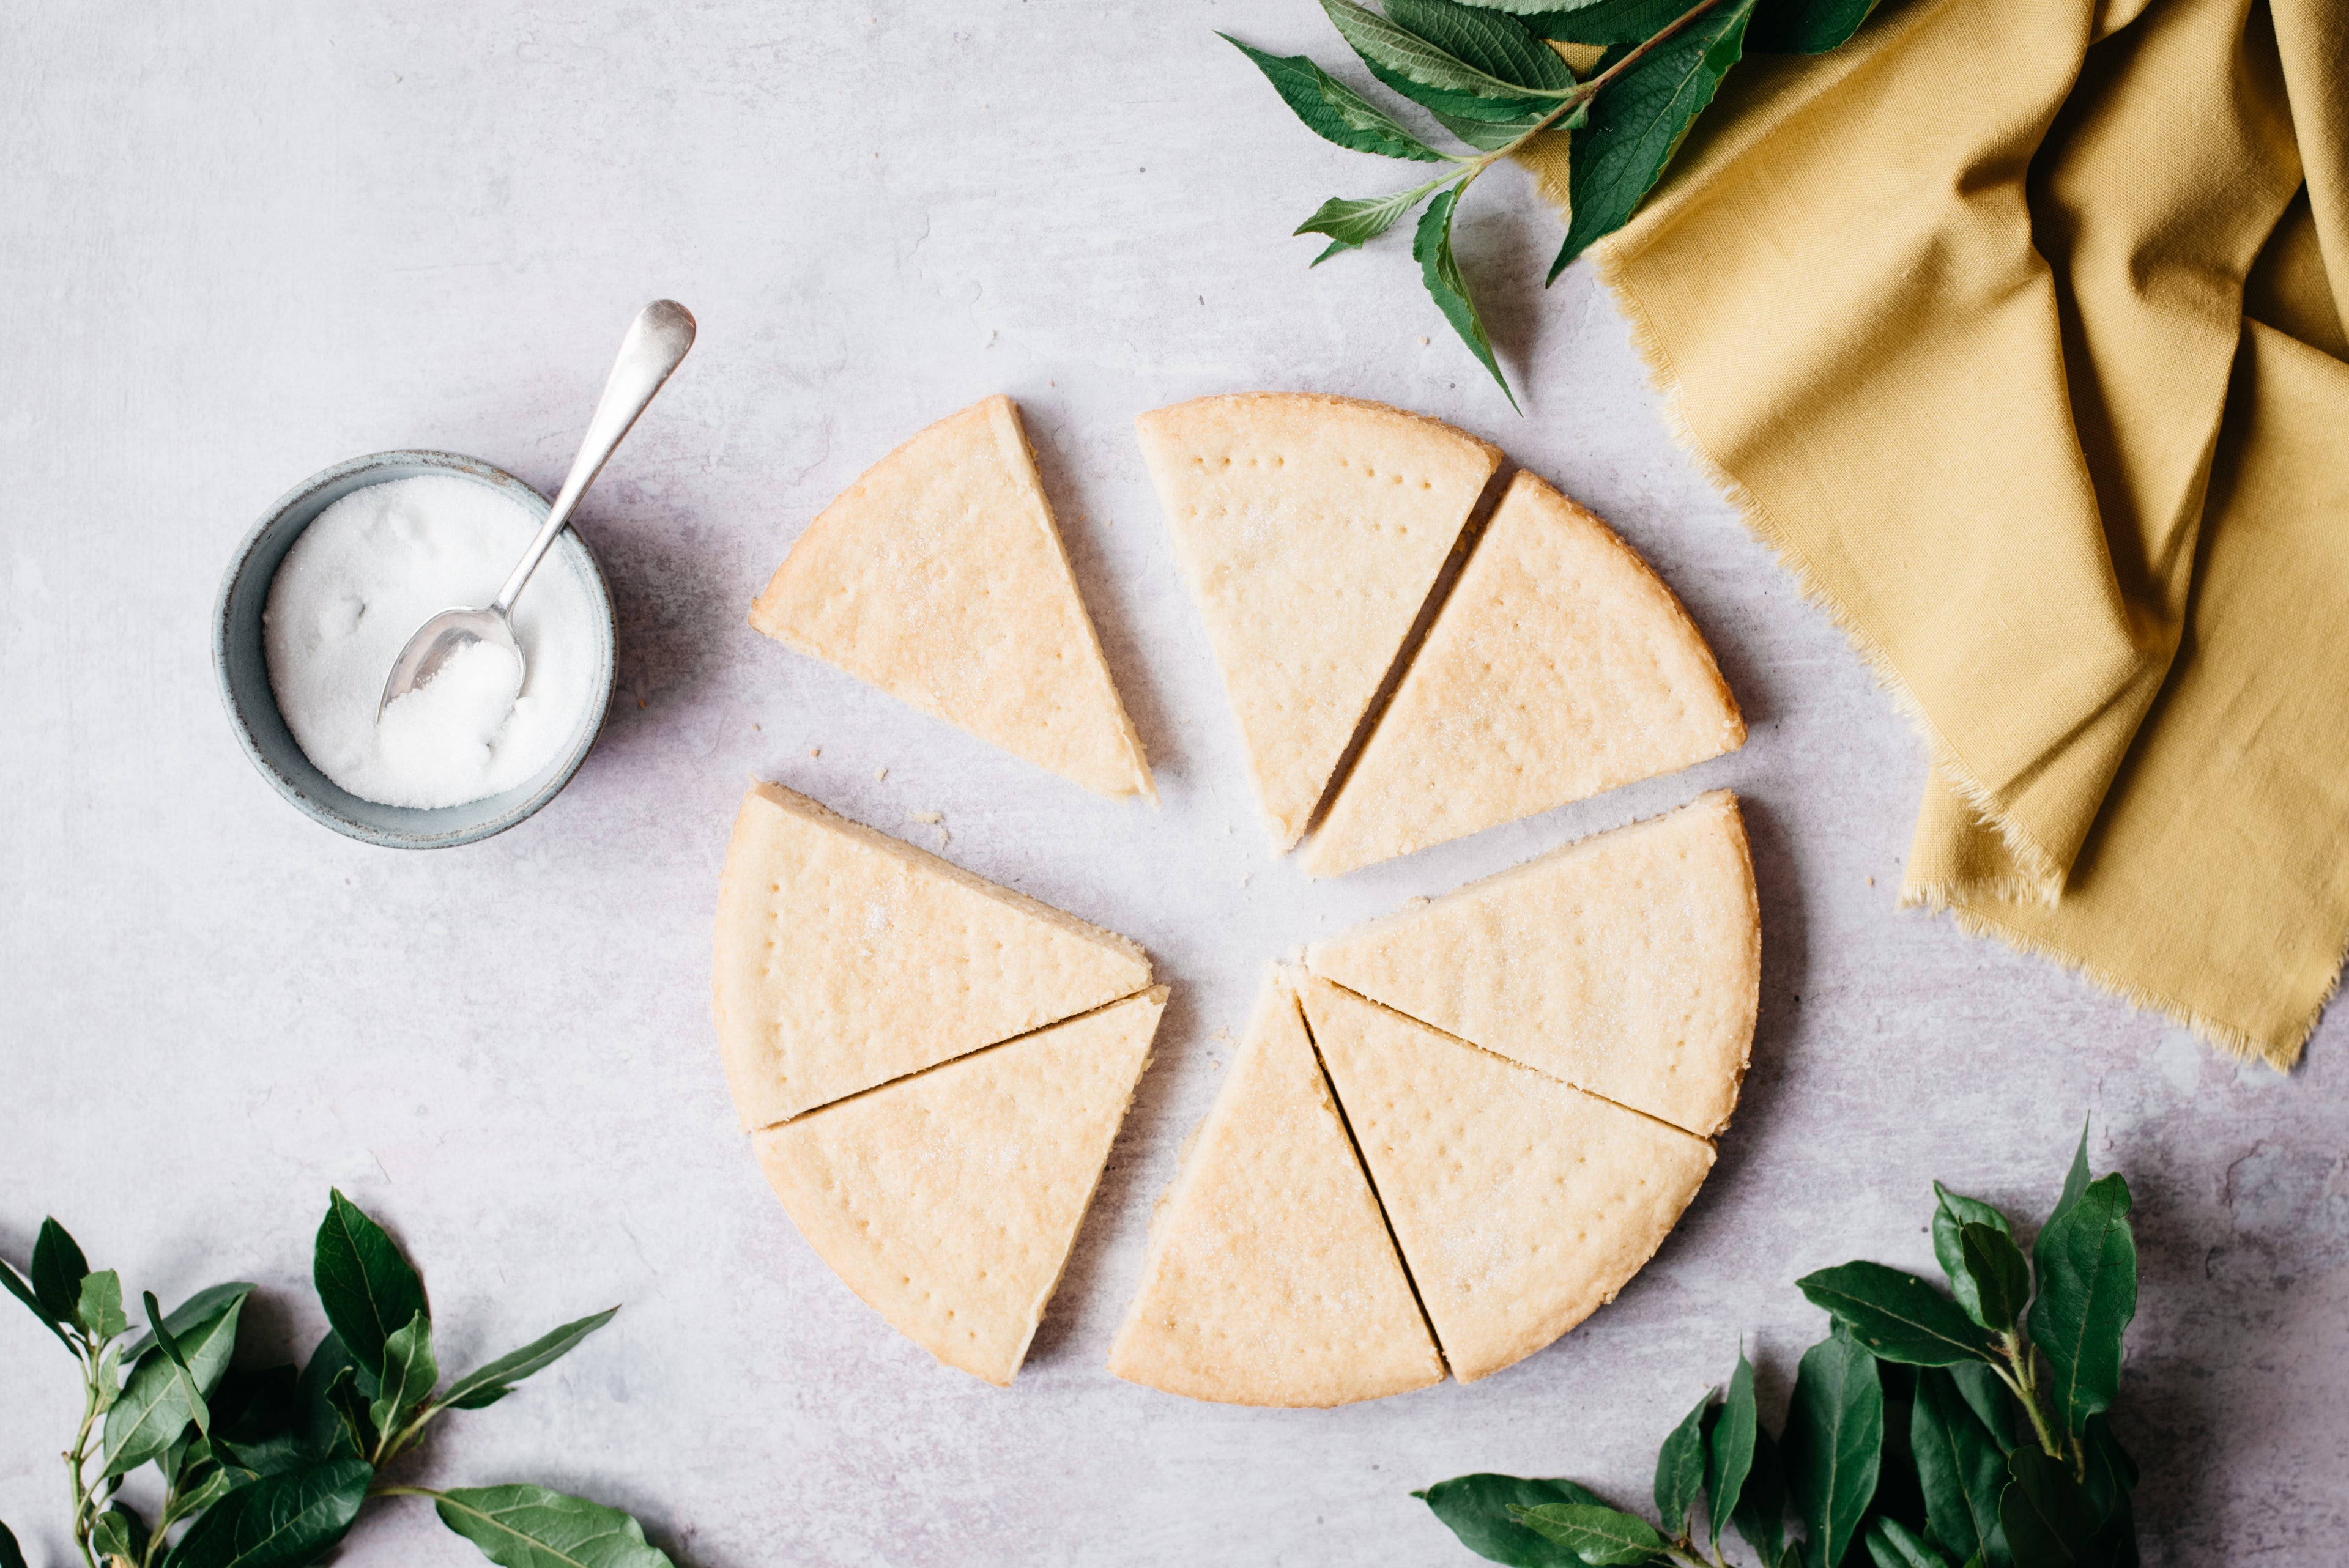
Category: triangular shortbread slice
[1270,1277]
[940,578]
[1310,529]
[845,958]
[1559,667]
[948,1201]
[1522,1204]
[1629,964]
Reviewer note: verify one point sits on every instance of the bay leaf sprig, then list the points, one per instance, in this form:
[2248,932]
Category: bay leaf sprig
[1970,1488]
[271,1467]
[1490,73]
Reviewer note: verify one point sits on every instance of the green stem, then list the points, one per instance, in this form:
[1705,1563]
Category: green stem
[2023,1383]
[404,1491]
[163,1521]
[398,1443]
[84,1514]
[1590,89]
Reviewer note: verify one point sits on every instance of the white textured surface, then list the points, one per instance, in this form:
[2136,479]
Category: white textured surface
[240,242]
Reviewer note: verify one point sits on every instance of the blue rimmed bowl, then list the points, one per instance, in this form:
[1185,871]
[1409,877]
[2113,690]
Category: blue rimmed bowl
[242,664]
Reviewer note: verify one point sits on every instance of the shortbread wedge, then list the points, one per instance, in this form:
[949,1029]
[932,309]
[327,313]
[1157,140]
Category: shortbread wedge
[1629,964]
[940,577]
[1559,667]
[1310,529]
[1522,1204]
[948,1201]
[1270,1278]
[845,958]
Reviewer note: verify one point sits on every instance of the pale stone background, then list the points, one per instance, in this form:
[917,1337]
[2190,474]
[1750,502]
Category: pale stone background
[239,242]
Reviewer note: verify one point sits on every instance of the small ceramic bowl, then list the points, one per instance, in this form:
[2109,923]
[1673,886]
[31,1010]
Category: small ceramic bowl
[242,664]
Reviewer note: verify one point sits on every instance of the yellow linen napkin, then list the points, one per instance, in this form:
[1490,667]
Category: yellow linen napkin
[1956,316]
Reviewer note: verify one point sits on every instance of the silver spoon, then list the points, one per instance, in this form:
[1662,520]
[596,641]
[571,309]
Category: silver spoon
[655,345]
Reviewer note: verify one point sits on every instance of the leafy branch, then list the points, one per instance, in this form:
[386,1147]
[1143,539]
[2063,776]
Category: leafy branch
[2044,1333]
[1491,73]
[269,1468]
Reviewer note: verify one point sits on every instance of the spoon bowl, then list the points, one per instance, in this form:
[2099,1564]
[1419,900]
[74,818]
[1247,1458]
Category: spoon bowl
[443,638]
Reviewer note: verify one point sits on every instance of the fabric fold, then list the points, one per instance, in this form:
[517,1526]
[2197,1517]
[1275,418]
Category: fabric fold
[1955,315]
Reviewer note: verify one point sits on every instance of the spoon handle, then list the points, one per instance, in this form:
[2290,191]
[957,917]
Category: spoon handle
[655,345]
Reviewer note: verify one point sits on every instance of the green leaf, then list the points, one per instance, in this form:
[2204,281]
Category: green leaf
[1679,1469]
[1386,47]
[1596,1534]
[2087,1294]
[1897,1316]
[369,1289]
[2047,1516]
[324,1397]
[271,1455]
[222,1479]
[24,1292]
[1996,1276]
[1607,22]
[1988,1397]
[278,1521]
[1478,119]
[11,1554]
[1894,1545]
[98,1307]
[1361,115]
[153,1409]
[1834,1442]
[351,1427]
[119,1532]
[1960,1465]
[2111,1473]
[1332,110]
[2114,1544]
[1531,11]
[2111,1477]
[1353,222]
[486,1384]
[1453,109]
[409,1375]
[1805,26]
[110,1377]
[2076,1180]
[57,1270]
[1760,1513]
[191,1453]
[1639,122]
[1440,270]
[1729,1450]
[1476,1508]
[168,1342]
[200,1308]
[531,1527]
[1493,135]
[1952,1211]
[1499,46]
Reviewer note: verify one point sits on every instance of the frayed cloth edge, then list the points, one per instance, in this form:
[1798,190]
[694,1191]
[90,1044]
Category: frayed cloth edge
[1934,896]
[2229,1038]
